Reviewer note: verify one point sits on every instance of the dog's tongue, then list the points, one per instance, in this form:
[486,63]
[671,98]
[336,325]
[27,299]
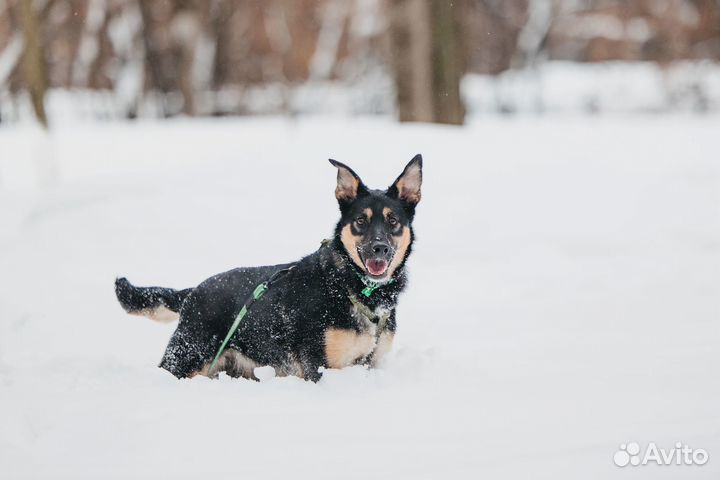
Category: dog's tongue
[376,267]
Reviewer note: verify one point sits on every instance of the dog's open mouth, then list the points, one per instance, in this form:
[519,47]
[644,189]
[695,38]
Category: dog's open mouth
[377,266]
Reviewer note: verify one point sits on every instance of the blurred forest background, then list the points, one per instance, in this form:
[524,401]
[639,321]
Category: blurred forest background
[423,60]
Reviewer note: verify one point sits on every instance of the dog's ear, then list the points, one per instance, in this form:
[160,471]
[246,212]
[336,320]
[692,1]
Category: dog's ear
[407,185]
[349,186]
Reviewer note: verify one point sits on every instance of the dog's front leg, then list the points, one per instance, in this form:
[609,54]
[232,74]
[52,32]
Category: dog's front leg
[313,375]
[312,361]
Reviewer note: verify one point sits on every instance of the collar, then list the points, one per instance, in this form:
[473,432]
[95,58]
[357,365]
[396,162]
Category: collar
[371,285]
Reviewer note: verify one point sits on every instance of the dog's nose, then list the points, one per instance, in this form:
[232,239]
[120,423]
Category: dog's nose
[380,248]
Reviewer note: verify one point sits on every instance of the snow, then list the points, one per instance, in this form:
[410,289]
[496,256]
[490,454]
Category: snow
[564,298]
[9,56]
[553,87]
[616,87]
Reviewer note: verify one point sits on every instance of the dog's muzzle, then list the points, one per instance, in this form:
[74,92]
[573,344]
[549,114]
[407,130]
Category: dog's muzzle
[376,257]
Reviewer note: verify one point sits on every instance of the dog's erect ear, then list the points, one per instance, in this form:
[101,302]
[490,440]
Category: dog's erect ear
[349,186]
[407,185]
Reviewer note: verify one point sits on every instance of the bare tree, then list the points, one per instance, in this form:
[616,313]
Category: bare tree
[532,39]
[448,60]
[428,59]
[332,25]
[33,60]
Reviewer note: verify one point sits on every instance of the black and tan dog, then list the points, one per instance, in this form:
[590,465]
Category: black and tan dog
[332,309]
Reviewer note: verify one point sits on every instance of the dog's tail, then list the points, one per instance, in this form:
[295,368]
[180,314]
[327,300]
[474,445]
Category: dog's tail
[157,303]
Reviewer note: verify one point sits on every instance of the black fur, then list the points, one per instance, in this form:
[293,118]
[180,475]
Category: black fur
[134,299]
[286,328]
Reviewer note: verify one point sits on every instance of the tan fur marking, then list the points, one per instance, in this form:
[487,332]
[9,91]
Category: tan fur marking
[203,372]
[368,213]
[233,363]
[240,365]
[387,212]
[347,185]
[409,194]
[344,347]
[292,368]
[160,314]
[408,185]
[384,344]
[350,242]
[401,246]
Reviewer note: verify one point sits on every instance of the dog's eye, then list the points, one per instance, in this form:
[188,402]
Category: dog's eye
[360,221]
[392,221]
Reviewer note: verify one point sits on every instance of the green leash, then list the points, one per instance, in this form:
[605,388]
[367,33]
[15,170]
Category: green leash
[257,293]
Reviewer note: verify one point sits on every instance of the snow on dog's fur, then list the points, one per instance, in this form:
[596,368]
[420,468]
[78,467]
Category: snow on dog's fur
[313,317]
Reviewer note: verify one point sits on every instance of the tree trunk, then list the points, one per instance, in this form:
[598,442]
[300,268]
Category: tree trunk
[156,58]
[448,60]
[33,61]
[428,59]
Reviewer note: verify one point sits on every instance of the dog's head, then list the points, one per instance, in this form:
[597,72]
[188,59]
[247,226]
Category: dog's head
[375,227]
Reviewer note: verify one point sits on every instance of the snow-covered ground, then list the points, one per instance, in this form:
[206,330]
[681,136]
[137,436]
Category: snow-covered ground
[564,299]
[553,87]
[619,87]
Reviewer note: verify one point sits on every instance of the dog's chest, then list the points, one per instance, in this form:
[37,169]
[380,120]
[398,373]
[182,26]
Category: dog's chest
[347,346]
[369,320]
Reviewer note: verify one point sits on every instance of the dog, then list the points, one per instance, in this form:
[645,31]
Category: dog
[332,309]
